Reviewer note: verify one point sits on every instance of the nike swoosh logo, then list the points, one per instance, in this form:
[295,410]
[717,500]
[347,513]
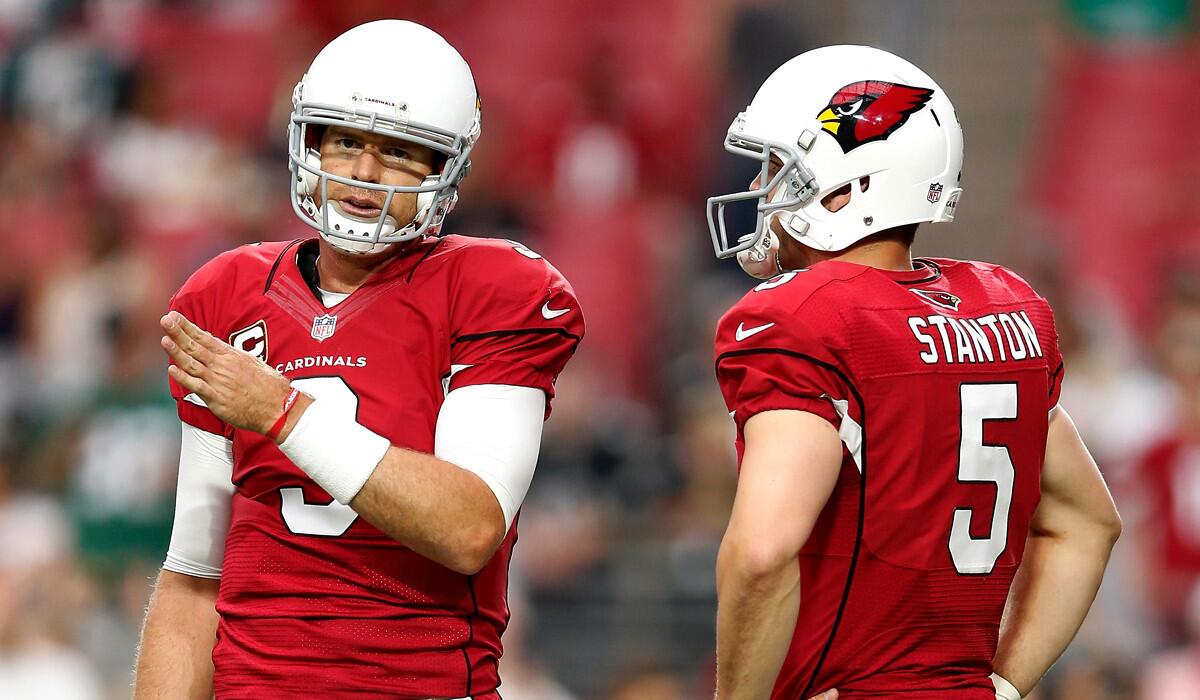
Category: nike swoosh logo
[742,332]
[549,313]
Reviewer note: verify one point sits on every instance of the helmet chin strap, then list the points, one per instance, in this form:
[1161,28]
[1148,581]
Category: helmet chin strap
[761,261]
[339,221]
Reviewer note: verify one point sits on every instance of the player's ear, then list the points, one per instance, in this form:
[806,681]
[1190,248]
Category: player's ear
[314,136]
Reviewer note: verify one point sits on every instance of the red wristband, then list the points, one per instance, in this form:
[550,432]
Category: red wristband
[273,433]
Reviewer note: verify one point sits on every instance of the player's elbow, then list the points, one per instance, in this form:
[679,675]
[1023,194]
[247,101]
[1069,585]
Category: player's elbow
[755,559]
[187,587]
[476,545]
[1104,522]
[1103,530]
[1109,525]
[1097,526]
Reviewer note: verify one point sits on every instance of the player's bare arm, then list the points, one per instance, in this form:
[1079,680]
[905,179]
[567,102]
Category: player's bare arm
[175,655]
[789,469]
[1072,534]
[435,508]
[175,650]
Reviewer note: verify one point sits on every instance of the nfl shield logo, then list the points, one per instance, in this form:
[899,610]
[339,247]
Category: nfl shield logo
[323,326]
[935,192]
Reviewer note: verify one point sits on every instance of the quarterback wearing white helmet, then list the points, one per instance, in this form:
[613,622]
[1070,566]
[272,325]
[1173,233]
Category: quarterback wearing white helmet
[362,409]
[353,85]
[906,475]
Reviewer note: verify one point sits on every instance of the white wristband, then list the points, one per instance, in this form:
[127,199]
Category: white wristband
[1004,689]
[334,450]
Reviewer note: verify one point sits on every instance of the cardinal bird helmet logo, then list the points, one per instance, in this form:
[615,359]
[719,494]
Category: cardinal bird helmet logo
[870,110]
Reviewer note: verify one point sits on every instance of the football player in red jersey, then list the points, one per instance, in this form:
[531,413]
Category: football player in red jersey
[907,480]
[361,410]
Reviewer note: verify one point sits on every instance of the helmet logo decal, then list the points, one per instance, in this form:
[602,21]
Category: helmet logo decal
[870,110]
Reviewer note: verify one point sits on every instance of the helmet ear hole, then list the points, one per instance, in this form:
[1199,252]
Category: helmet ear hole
[837,199]
[425,200]
[308,180]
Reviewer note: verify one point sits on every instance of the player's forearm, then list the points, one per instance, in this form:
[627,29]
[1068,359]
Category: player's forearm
[757,605]
[1071,536]
[175,654]
[1048,602]
[433,507]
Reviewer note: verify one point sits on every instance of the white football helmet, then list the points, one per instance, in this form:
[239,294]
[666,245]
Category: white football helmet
[393,78]
[837,116]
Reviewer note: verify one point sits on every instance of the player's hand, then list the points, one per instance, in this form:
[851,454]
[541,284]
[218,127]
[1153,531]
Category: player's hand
[238,388]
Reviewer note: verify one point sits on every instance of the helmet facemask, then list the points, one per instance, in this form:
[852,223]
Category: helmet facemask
[792,185]
[436,195]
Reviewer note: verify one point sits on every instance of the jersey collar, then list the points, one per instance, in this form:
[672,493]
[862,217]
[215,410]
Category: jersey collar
[291,288]
[924,271]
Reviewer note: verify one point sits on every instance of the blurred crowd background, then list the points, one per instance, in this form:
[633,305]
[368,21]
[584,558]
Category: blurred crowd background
[138,138]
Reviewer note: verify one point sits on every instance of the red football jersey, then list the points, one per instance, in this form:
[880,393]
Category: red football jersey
[939,381]
[313,599]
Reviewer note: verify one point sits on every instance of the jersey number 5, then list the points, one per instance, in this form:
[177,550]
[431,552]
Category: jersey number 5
[984,463]
[325,520]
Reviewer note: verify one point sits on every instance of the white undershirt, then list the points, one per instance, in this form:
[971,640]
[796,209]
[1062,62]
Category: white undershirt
[492,430]
[332,299]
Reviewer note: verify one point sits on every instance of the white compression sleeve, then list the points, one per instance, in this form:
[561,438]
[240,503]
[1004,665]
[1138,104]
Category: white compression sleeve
[1004,689]
[202,504]
[493,431]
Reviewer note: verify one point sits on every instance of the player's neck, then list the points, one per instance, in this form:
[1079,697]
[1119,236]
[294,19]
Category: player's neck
[885,255]
[342,272]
